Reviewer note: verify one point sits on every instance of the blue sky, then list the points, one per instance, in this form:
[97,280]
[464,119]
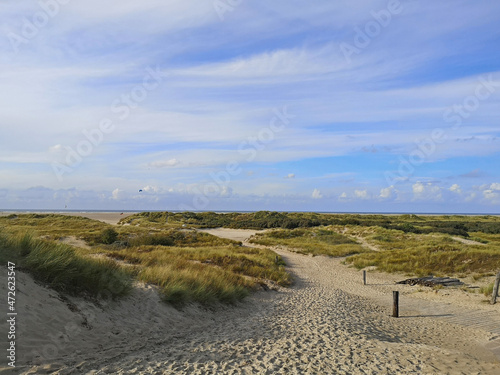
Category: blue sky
[386,106]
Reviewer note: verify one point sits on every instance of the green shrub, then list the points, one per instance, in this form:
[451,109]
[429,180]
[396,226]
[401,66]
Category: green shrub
[108,236]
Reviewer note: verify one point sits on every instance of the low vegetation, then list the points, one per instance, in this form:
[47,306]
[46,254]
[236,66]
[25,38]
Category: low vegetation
[310,241]
[437,254]
[204,274]
[453,225]
[439,260]
[62,267]
[186,265]
[165,249]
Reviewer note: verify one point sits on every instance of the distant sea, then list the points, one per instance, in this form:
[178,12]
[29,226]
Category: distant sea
[319,212]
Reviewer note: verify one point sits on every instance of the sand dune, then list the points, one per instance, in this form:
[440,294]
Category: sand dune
[107,217]
[322,325]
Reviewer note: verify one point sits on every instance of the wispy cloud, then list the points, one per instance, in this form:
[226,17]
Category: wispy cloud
[220,83]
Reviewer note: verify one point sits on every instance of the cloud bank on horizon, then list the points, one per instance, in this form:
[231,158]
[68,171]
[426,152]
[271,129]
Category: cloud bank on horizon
[367,105]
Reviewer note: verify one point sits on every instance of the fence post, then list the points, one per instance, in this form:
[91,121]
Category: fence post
[495,290]
[395,304]
[364,277]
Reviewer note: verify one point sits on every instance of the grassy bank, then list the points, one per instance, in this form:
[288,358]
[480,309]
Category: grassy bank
[62,267]
[424,254]
[204,274]
[315,241]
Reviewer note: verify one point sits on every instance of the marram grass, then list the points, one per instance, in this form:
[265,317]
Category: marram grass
[62,268]
[186,265]
[315,241]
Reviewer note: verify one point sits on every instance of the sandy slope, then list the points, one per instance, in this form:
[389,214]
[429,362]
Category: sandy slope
[317,326]
[233,234]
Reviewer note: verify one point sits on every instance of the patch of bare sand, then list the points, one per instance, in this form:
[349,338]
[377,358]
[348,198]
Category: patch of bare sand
[232,234]
[468,242]
[323,324]
[73,241]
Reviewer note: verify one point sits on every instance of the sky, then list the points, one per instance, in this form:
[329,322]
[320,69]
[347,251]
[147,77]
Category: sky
[217,105]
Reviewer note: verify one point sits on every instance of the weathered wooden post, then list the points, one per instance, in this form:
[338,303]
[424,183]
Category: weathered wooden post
[495,290]
[276,259]
[364,277]
[395,304]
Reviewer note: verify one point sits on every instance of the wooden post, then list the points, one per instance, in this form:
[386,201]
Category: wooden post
[395,304]
[276,259]
[364,277]
[495,290]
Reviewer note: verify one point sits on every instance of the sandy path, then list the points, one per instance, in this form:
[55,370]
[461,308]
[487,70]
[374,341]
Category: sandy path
[313,327]
[364,243]
[468,242]
[232,234]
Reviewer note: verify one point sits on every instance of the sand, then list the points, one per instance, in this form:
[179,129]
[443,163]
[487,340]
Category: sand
[233,234]
[327,323]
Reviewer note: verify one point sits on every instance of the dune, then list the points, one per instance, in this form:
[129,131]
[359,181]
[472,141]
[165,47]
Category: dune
[328,322]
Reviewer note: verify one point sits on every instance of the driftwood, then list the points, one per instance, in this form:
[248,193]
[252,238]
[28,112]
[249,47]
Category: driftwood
[432,281]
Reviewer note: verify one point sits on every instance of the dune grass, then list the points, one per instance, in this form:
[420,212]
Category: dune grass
[53,226]
[175,237]
[317,241]
[186,265]
[62,267]
[204,274]
[437,254]
[423,261]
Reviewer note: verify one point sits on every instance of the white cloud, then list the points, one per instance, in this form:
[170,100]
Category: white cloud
[293,62]
[387,192]
[361,194]
[428,191]
[495,186]
[290,175]
[455,188]
[418,188]
[118,194]
[316,194]
[56,148]
[492,193]
[150,189]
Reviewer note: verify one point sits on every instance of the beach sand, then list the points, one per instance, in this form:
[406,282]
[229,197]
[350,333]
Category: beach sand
[327,323]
